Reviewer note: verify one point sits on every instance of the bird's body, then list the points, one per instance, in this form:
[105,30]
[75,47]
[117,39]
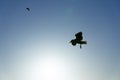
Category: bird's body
[28,9]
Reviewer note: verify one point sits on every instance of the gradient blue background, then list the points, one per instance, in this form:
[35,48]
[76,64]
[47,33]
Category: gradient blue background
[27,36]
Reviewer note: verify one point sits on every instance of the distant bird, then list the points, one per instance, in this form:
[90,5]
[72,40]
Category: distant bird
[28,9]
[78,40]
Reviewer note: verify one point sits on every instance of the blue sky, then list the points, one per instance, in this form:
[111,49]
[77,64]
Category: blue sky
[32,40]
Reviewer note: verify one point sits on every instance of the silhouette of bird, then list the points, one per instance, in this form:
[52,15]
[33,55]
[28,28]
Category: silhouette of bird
[28,9]
[78,40]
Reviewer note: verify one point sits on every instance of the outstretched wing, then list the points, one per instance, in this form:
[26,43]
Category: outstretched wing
[79,36]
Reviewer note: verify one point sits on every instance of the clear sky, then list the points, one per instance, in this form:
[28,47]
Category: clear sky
[34,45]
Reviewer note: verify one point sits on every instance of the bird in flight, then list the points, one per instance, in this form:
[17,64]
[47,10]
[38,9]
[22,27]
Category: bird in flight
[28,9]
[78,40]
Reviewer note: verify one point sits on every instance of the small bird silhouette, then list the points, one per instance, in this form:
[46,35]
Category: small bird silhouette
[28,9]
[78,40]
